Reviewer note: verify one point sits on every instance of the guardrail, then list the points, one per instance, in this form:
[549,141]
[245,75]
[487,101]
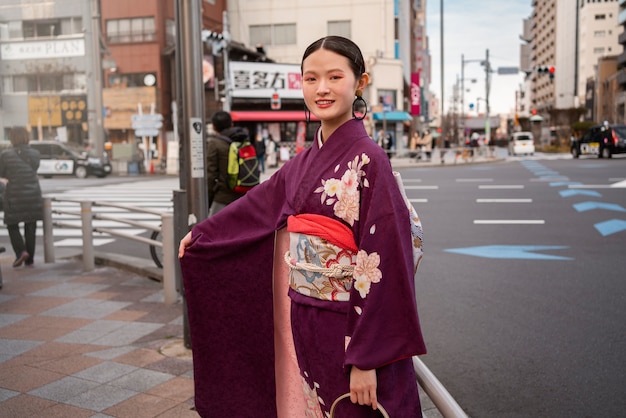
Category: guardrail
[86,216]
[433,388]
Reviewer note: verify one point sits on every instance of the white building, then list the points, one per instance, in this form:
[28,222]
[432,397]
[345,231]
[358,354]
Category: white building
[598,37]
[286,30]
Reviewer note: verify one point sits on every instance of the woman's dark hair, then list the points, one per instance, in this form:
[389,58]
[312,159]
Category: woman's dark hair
[342,46]
[19,136]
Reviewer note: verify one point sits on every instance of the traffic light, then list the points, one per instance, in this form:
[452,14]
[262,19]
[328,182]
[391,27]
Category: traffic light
[545,69]
[275,102]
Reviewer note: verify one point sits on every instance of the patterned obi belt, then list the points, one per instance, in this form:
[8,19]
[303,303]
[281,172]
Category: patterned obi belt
[321,257]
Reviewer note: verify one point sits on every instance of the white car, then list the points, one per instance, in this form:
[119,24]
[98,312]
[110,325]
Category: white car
[522,143]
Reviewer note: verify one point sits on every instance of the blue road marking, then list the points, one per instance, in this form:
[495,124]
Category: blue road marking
[610,227]
[521,252]
[585,206]
[574,192]
[565,183]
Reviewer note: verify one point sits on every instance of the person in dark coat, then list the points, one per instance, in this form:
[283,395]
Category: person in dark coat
[22,197]
[220,194]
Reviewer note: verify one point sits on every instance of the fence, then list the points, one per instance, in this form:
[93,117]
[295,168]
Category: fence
[86,216]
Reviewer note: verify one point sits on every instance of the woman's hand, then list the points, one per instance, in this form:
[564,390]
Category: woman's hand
[363,387]
[184,243]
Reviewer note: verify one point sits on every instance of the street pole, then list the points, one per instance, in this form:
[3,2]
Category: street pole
[193,109]
[487,125]
[463,97]
[96,128]
[226,61]
[442,96]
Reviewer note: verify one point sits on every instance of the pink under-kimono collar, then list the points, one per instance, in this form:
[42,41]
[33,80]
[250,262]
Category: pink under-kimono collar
[324,227]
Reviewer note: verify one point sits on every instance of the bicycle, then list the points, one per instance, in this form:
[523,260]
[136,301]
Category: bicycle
[156,252]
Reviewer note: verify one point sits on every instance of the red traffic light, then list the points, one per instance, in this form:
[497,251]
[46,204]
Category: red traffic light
[275,102]
[551,70]
[534,111]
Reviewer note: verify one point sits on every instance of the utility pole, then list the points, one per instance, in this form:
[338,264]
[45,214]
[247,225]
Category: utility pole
[226,60]
[442,96]
[96,127]
[487,78]
[193,120]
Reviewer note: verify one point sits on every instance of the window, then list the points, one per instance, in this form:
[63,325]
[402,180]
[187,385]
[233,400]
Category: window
[139,29]
[599,50]
[600,17]
[340,28]
[170,32]
[280,34]
[599,34]
[130,80]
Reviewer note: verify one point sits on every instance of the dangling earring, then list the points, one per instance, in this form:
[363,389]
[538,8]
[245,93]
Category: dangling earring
[359,102]
[307,114]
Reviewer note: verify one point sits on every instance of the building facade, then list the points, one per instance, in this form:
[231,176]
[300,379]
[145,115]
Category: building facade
[285,32]
[47,70]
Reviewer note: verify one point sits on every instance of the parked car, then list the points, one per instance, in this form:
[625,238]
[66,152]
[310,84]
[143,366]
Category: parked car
[58,158]
[522,143]
[602,141]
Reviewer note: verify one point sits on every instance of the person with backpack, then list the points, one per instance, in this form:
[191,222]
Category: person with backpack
[232,166]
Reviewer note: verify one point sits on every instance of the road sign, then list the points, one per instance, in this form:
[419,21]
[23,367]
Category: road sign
[508,70]
[146,132]
[150,122]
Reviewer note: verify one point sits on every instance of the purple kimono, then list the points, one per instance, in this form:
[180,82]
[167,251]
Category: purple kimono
[366,317]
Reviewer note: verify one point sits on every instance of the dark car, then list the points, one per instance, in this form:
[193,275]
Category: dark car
[602,141]
[58,158]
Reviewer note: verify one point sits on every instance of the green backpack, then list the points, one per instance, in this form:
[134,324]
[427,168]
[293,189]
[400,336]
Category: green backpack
[243,165]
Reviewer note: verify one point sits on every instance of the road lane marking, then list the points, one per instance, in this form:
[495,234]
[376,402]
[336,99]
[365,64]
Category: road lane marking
[421,187]
[474,180]
[504,200]
[509,221]
[418,200]
[501,186]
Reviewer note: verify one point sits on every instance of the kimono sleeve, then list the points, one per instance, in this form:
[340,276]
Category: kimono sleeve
[383,324]
[227,276]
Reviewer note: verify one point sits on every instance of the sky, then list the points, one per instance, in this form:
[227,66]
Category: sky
[470,28]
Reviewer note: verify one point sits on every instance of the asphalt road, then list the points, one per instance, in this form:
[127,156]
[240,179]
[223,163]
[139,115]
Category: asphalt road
[537,333]
[521,292]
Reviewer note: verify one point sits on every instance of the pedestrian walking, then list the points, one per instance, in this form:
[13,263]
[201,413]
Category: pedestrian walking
[260,147]
[303,290]
[22,200]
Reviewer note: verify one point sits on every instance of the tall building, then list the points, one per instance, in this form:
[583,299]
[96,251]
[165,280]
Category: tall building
[621,63]
[48,70]
[598,37]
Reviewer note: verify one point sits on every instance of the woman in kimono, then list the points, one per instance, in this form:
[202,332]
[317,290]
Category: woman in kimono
[303,290]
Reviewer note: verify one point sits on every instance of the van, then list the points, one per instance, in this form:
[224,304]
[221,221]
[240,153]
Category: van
[522,143]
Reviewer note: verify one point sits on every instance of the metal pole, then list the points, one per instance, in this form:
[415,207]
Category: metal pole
[179,100]
[463,97]
[169,259]
[193,109]
[487,76]
[226,61]
[87,229]
[48,238]
[180,230]
[96,128]
[442,96]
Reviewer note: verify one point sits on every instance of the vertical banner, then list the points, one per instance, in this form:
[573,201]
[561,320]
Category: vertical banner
[416,95]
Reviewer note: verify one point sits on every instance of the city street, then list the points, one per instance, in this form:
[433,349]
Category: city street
[521,291]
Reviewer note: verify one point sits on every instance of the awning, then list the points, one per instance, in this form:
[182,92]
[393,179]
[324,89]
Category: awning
[395,116]
[269,116]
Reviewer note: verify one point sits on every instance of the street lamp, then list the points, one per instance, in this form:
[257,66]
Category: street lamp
[463,61]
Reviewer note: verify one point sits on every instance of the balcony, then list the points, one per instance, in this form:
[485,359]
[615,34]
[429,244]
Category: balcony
[622,37]
[621,80]
[621,59]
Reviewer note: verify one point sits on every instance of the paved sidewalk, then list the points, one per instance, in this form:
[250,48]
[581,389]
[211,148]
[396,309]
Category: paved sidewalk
[102,343]
[96,344]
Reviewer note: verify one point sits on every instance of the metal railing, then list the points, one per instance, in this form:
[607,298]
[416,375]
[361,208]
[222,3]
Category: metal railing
[86,216]
[440,397]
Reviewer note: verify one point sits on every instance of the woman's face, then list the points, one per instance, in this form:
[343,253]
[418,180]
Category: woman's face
[329,85]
